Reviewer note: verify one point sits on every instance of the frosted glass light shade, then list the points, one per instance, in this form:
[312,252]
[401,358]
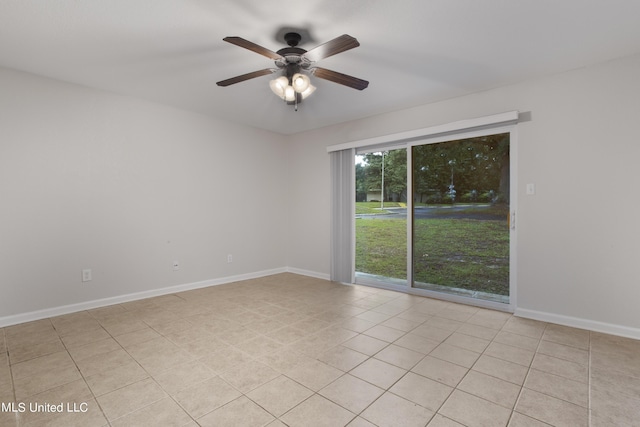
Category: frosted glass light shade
[300,82]
[308,91]
[279,85]
[289,94]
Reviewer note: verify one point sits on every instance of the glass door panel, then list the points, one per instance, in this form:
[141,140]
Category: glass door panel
[460,217]
[381,217]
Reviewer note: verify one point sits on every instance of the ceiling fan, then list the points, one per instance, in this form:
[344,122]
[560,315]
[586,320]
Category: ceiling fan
[295,64]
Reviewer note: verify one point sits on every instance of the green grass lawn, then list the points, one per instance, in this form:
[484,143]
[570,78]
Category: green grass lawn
[374,207]
[460,253]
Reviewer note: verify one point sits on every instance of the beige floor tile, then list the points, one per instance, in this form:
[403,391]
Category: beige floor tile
[279,395]
[172,327]
[384,333]
[559,387]
[508,371]
[374,316]
[378,373]
[249,375]
[365,344]
[357,325]
[317,412]
[417,343]
[85,337]
[520,420]
[565,352]
[164,412]
[490,388]
[283,360]
[440,370]
[119,327]
[457,355]
[442,323]
[572,337]
[421,390]
[391,410]
[151,347]
[28,352]
[237,335]
[467,342]
[509,353]
[34,384]
[286,334]
[399,356]
[115,378]
[31,338]
[527,327]
[571,369]
[551,410]
[618,361]
[204,397]
[414,316]
[225,359]
[188,335]
[311,325]
[104,362]
[477,331]
[240,412]
[203,347]
[94,348]
[130,398]
[351,393]
[615,408]
[516,340]
[314,374]
[161,362]
[432,332]
[610,379]
[259,346]
[441,421]
[182,376]
[452,314]
[561,367]
[473,411]
[360,422]
[401,324]
[42,365]
[342,358]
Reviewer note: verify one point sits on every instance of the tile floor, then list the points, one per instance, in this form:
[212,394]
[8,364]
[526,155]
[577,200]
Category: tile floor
[288,350]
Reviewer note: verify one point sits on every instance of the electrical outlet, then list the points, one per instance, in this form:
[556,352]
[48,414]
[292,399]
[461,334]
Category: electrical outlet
[531,189]
[176,265]
[86,275]
[229,258]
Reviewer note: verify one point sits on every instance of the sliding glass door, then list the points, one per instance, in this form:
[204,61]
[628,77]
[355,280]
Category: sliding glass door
[435,217]
[461,230]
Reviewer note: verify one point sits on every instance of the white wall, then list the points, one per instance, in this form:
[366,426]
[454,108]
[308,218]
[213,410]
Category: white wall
[578,237]
[124,187]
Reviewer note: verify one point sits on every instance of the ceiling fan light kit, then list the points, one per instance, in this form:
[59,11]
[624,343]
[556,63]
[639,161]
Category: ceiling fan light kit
[294,64]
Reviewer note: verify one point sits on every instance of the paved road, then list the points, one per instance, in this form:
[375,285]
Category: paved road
[442,212]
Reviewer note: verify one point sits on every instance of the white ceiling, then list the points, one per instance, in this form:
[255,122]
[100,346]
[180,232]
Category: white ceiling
[412,51]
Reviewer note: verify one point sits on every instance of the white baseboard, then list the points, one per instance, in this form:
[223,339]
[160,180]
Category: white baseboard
[576,322]
[88,305]
[308,273]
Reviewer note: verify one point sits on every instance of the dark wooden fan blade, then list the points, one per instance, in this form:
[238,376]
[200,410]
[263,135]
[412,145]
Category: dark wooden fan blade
[340,78]
[239,41]
[248,76]
[332,47]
